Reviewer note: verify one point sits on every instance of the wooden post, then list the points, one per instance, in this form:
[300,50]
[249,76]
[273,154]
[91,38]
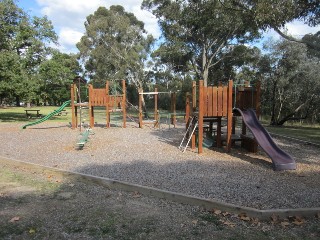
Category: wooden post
[73,118]
[107,102]
[156,112]
[124,103]
[200,116]
[229,115]
[219,144]
[173,109]
[187,108]
[194,95]
[258,95]
[91,112]
[140,110]
[194,107]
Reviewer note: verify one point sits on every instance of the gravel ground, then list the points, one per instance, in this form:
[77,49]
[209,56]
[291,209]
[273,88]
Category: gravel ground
[151,157]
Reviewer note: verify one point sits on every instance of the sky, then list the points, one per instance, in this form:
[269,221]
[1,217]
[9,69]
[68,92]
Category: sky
[68,17]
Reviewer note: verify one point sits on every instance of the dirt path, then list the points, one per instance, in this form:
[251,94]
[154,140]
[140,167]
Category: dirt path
[34,206]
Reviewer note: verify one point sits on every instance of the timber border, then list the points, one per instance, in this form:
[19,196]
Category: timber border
[208,204]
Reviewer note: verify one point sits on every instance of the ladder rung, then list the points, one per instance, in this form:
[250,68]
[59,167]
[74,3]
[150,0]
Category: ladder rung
[193,123]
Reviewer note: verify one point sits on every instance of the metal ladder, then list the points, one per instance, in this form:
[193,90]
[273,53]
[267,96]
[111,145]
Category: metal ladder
[193,122]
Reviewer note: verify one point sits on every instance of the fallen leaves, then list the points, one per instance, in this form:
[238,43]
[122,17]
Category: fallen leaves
[136,194]
[217,212]
[14,219]
[229,223]
[285,224]
[226,214]
[296,220]
[244,217]
[226,219]
[298,223]
[53,178]
[194,222]
[274,219]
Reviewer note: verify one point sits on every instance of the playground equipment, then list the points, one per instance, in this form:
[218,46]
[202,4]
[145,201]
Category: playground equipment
[156,120]
[215,103]
[84,138]
[246,96]
[280,159]
[98,98]
[55,112]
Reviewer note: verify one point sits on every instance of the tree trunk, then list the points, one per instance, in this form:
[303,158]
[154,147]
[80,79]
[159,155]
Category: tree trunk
[205,76]
[273,102]
[290,116]
[17,101]
[205,67]
[144,107]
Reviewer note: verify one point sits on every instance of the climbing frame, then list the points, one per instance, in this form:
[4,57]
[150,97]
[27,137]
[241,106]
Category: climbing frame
[215,103]
[99,97]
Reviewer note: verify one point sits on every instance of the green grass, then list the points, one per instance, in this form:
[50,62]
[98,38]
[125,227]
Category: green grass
[311,134]
[302,131]
[18,114]
[7,175]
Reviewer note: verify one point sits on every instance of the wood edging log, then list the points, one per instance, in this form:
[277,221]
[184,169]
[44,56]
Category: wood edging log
[208,204]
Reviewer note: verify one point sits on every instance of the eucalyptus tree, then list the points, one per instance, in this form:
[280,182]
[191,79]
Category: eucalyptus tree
[313,39]
[275,14]
[115,46]
[291,82]
[55,77]
[200,33]
[24,44]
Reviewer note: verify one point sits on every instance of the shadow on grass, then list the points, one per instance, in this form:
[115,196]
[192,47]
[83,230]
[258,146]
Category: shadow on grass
[310,134]
[13,117]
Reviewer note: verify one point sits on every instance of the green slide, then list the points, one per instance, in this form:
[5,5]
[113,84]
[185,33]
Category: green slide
[49,115]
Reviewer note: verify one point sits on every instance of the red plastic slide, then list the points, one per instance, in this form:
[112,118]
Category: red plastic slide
[280,159]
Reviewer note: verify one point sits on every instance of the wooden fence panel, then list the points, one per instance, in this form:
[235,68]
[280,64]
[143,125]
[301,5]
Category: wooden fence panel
[210,101]
[215,101]
[220,101]
[225,101]
[205,101]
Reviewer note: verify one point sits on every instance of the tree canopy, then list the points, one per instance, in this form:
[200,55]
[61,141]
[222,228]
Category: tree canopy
[274,14]
[200,33]
[290,82]
[115,46]
[24,44]
[56,75]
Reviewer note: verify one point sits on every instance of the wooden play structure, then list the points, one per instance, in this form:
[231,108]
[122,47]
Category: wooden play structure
[156,120]
[247,96]
[98,97]
[212,104]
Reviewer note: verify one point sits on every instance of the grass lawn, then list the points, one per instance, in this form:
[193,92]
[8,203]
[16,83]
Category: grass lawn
[311,134]
[18,114]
